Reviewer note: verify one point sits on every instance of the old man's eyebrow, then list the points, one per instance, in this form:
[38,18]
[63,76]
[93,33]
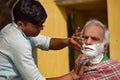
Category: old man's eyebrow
[95,38]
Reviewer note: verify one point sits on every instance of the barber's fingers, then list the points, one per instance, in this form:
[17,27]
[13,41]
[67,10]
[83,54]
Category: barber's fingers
[78,29]
[79,68]
[80,57]
[77,34]
[74,44]
[77,37]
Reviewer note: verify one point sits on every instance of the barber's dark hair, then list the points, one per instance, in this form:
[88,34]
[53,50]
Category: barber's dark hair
[29,10]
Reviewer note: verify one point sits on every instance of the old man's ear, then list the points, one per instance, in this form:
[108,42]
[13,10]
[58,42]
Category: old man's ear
[105,48]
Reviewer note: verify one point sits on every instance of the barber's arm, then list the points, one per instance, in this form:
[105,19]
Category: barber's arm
[72,42]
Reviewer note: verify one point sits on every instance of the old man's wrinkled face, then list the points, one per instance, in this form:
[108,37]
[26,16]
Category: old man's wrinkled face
[93,43]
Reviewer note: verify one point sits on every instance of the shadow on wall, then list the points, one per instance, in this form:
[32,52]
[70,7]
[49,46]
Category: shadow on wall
[5,12]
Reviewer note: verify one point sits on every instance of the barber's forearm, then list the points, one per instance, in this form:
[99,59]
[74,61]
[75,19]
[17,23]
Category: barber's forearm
[69,76]
[56,43]
[65,77]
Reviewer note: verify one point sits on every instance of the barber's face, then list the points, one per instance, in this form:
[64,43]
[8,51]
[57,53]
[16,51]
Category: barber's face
[30,29]
[93,35]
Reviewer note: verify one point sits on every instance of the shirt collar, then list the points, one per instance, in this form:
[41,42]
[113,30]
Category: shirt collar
[16,26]
[105,57]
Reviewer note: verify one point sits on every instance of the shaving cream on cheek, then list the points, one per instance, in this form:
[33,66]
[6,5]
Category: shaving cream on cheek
[93,52]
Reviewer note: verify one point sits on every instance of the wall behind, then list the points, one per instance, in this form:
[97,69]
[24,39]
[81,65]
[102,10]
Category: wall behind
[53,63]
[114,27]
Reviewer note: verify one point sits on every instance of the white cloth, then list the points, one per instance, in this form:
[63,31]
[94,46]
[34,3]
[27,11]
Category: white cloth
[16,61]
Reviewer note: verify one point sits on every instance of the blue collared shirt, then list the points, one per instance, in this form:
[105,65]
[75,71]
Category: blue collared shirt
[16,61]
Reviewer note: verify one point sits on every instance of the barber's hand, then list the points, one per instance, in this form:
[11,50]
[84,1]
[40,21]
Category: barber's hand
[74,41]
[79,68]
